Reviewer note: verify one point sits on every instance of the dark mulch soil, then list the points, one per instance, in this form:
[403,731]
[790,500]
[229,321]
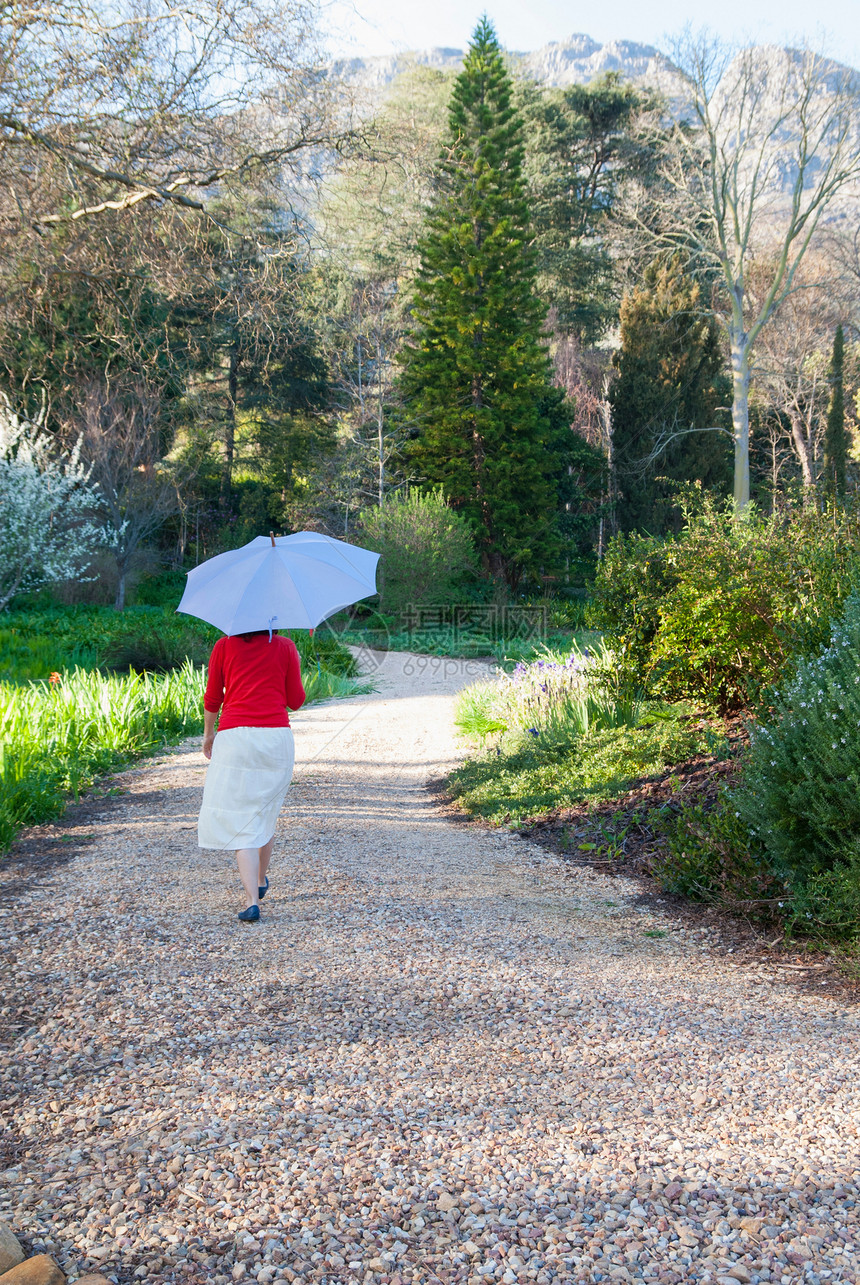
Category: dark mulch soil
[619,839]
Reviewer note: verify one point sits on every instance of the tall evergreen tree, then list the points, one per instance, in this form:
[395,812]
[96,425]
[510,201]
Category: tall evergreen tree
[583,144]
[670,371]
[835,445]
[492,428]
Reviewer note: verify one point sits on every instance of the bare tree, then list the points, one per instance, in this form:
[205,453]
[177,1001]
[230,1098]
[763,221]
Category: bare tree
[770,146]
[586,376]
[368,338]
[121,440]
[110,107]
[792,369]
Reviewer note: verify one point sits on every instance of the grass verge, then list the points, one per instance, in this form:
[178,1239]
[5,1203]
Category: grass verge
[520,778]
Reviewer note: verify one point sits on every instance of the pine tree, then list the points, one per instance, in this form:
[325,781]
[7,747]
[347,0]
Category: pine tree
[583,144]
[492,428]
[670,367]
[835,447]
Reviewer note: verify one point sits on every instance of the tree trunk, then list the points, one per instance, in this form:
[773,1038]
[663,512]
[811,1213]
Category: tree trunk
[380,426]
[230,427]
[119,601]
[741,413]
[804,455]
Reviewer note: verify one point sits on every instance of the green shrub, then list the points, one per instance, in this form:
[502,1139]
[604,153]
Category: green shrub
[708,855]
[800,793]
[721,612]
[427,550]
[827,904]
[785,842]
[155,652]
[161,590]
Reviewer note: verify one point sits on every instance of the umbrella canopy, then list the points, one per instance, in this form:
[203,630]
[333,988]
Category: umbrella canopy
[279,582]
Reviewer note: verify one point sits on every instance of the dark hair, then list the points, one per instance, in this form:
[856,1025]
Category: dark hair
[254,633]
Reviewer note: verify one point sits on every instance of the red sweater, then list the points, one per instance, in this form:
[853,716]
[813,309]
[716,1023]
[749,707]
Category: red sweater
[255,679]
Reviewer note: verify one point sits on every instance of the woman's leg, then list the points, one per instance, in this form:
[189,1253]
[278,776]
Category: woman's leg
[248,860]
[265,858]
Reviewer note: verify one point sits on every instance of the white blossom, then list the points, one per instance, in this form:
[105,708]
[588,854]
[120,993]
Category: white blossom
[47,532]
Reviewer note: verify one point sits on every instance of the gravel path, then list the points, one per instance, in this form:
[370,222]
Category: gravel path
[440,1057]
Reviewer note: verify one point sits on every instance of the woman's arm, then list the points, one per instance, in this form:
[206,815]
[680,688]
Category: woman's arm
[209,717]
[213,697]
[294,689]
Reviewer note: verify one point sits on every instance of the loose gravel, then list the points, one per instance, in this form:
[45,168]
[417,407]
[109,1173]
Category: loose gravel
[439,1057]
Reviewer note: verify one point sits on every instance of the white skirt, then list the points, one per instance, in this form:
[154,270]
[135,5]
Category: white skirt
[246,784]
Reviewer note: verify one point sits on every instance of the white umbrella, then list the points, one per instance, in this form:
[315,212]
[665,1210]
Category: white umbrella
[283,582]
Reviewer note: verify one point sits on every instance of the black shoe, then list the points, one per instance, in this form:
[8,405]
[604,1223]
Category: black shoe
[262,891]
[250,916]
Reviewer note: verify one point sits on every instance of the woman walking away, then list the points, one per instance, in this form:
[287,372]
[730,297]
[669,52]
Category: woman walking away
[253,678]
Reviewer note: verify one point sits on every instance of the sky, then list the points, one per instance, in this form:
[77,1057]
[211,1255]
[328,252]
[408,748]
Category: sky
[360,27]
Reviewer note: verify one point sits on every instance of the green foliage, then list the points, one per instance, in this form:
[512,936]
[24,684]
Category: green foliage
[67,328]
[826,904]
[152,652]
[163,589]
[835,437]
[427,549]
[491,427]
[709,855]
[582,144]
[261,380]
[475,714]
[26,656]
[800,794]
[479,713]
[784,844]
[523,778]
[720,612]
[670,380]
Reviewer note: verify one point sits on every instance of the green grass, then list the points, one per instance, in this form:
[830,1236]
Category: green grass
[522,778]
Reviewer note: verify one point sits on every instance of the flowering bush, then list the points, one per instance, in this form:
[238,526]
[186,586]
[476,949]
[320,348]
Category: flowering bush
[544,692]
[556,699]
[46,504]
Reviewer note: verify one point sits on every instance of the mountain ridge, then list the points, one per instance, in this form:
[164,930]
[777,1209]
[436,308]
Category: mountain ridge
[576,59]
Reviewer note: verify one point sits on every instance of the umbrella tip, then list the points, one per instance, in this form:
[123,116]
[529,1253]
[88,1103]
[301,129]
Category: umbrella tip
[272,538]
